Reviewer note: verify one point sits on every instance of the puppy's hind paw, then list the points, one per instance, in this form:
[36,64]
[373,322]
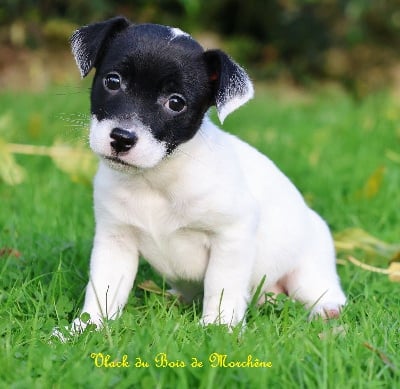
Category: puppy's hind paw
[326,311]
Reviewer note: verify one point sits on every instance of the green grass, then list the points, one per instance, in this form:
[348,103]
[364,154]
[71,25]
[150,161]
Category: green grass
[328,144]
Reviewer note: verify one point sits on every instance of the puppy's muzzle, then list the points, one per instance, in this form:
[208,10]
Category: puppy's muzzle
[123,140]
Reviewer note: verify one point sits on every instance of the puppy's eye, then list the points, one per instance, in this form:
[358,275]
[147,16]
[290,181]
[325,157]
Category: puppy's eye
[175,103]
[112,81]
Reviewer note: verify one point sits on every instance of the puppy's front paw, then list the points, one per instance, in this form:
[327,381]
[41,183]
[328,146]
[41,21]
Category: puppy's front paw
[210,320]
[77,327]
[205,321]
[229,312]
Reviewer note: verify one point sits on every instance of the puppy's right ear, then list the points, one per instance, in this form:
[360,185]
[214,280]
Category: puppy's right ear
[88,42]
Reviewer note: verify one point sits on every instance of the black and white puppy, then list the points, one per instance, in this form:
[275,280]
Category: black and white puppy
[208,212]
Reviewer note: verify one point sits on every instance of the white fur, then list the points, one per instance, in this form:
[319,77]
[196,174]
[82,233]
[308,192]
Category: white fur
[80,54]
[235,103]
[215,213]
[147,152]
[175,32]
[239,92]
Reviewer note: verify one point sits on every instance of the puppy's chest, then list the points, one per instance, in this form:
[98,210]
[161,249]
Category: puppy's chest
[169,232]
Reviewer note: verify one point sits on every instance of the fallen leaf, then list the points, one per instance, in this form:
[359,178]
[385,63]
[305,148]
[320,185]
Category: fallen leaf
[373,184]
[10,172]
[9,252]
[394,271]
[396,257]
[35,125]
[374,252]
[356,238]
[150,286]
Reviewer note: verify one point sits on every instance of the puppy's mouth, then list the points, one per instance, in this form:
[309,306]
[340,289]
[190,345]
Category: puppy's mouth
[116,160]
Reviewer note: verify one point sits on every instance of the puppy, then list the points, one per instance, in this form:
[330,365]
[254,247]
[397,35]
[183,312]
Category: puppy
[210,213]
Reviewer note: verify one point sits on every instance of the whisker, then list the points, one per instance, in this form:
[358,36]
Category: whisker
[67,90]
[179,151]
[205,139]
[77,125]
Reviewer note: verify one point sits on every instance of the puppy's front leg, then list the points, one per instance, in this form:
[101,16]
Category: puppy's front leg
[226,284]
[113,268]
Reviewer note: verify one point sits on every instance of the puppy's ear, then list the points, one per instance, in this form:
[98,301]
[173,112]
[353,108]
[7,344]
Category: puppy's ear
[88,42]
[231,84]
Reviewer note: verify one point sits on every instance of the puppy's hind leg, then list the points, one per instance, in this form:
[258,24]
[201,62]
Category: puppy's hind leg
[318,289]
[315,281]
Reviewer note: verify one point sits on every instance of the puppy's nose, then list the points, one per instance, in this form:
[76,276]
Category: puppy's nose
[123,141]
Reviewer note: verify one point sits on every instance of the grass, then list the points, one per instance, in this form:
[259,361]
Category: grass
[342,155]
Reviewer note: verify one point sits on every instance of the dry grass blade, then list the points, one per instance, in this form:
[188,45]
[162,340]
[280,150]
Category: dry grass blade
[365,266]
[78,162]
[385,359]
[393,271]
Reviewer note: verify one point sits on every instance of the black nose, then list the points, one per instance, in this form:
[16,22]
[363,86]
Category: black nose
[123,141]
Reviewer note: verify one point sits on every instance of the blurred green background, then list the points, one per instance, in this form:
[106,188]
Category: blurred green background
[351,42]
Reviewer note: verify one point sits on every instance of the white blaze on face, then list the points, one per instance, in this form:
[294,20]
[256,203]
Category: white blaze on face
[146,153]
[176,32]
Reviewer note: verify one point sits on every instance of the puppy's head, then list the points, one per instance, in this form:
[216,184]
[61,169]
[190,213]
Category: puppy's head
[152,87]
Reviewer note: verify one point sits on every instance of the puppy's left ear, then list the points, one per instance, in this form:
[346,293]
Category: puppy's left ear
[88,42]
[231,85]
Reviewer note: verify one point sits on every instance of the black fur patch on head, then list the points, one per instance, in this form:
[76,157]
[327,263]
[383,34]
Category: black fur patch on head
[154,64]
[157,75]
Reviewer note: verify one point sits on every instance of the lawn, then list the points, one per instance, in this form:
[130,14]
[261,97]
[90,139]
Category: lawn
[344,156]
